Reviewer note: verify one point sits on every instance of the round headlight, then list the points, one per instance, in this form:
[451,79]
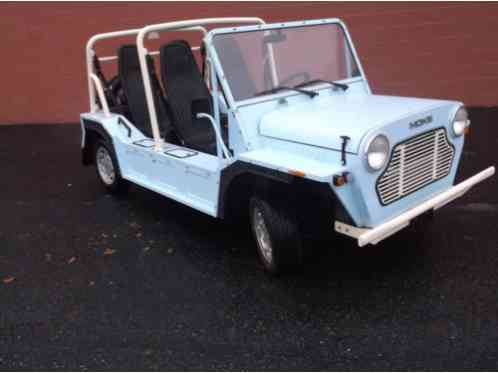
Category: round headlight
[377,152]
[460,122]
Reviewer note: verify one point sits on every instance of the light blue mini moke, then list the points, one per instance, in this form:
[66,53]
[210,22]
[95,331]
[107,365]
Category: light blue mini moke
[278,125]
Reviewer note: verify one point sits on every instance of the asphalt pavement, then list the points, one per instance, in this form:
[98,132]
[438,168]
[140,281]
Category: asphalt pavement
[93,282]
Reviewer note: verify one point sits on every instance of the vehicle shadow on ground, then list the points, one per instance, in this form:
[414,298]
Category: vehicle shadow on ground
[334,266]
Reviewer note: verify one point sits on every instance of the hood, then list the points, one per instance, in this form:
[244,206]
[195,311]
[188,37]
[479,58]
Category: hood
[323,120]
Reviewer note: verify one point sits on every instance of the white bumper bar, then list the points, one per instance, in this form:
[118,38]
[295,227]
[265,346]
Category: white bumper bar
[377,234]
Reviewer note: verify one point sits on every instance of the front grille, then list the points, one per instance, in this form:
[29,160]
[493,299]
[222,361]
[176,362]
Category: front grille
[414,164]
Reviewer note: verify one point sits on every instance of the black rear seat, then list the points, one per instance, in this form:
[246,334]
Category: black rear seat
[188,95]
[133,88]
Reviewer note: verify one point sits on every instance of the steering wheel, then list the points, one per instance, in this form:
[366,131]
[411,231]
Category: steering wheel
[305,76]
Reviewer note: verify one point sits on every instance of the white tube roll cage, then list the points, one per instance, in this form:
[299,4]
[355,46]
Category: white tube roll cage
[175,26]
[94,83]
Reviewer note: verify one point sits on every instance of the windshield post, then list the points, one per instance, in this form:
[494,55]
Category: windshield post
[214,89]
[273,67]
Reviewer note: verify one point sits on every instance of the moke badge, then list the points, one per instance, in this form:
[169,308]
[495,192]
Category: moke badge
[420,122]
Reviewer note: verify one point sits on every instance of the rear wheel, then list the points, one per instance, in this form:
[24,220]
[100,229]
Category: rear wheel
[107,168]
[277,236]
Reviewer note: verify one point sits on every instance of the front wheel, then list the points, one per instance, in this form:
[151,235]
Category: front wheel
[107,168]
[277,236]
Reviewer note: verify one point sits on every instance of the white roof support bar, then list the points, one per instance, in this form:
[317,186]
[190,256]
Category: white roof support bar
[153,53]
[173,26]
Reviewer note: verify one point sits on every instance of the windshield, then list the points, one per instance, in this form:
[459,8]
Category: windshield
[259,61]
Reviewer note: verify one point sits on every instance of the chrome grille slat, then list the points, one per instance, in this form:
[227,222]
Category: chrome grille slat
[419,149]
[419,138]
[415,174]
[409,153]
[414,164]
[422,140]
[447,157]
[444,152]
[409,172]
[418,178]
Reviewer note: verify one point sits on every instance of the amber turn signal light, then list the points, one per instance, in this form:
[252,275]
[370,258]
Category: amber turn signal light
[340,180]
[297,173]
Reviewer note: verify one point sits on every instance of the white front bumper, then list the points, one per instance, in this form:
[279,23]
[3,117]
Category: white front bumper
[375,235]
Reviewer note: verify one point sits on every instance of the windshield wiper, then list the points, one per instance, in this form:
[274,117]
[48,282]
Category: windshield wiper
[342,86]
[310,94]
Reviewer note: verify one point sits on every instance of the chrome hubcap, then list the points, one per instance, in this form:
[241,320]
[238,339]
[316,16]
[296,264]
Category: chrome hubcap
[105,166]
[262,235]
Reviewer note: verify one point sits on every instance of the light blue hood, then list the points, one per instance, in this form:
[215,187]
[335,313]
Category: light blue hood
[323,120]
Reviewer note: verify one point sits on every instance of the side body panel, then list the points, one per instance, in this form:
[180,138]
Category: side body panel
[187,176]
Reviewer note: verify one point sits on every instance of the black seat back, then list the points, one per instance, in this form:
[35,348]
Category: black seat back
[188,95]
[133,88]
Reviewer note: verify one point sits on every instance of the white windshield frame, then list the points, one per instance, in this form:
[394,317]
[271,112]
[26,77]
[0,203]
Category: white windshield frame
[232,30]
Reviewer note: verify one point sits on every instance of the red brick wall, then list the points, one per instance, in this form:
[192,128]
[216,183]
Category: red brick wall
[443,50]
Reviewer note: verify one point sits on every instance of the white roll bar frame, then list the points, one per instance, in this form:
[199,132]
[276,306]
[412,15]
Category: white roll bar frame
[90,52]
[95,85]
[100,91]
[175,26]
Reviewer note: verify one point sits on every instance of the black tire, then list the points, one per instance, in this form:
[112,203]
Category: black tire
[116,184]
[284,236]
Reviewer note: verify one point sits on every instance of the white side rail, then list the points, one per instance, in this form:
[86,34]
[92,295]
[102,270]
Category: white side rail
[377,234]
[172,26]
[220,144]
